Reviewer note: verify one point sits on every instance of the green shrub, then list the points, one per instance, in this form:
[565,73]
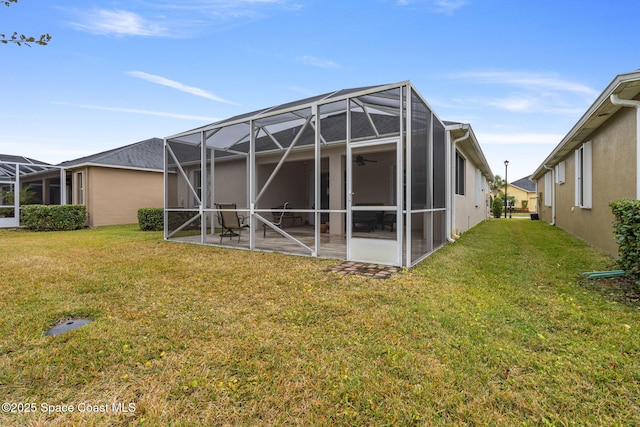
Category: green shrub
[54,217]
[496,207]
[151,219]
[626,228]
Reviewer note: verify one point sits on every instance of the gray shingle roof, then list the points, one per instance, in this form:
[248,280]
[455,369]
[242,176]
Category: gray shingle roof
[147,154]
[525,184]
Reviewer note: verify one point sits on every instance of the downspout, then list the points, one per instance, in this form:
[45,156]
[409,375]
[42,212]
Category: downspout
[553,194]
[450,196]
[615,100]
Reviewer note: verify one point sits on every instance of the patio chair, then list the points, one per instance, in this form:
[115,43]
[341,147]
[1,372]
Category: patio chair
[290,215]
[364,221]
[278,213]
[230,221]
[388,220]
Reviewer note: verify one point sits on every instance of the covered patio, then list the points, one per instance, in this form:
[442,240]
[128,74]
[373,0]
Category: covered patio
[358,174]
[27,181]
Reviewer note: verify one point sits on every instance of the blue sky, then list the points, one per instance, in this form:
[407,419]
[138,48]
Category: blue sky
[522,72]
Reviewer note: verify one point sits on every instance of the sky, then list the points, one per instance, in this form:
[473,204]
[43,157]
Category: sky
[521,72]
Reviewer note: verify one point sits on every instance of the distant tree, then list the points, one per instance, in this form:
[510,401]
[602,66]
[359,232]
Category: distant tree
[21,39]
[497,185]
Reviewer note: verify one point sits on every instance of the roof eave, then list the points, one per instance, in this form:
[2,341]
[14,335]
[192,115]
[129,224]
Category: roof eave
[480,160]
[598,113]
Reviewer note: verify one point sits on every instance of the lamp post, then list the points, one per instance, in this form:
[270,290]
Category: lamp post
[506,203]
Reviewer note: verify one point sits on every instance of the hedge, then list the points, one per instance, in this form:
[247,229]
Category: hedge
[627,232]
[53,217]
[151,219]
[496,207]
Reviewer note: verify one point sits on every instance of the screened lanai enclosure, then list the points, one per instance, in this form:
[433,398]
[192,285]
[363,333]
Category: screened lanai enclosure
[25,181]
[357,174]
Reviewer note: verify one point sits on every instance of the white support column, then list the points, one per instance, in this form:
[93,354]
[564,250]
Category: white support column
[166,190]
[405,203]
[252,185]
[317,202]
[63,186]
[16,196]
[203,187]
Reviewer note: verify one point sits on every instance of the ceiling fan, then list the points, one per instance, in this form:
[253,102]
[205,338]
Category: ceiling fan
[361,161]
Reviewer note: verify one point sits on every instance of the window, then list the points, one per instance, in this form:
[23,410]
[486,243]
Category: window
[548,182]
[80,187]
[584,178]
[460,174]
[197,185]
[560,179]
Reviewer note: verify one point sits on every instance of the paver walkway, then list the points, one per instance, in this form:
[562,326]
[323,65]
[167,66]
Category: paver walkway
[365,269]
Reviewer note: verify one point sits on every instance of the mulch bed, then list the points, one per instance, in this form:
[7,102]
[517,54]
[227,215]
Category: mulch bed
[620,289]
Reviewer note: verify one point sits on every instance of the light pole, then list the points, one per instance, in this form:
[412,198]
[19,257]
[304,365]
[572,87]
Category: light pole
[506,203]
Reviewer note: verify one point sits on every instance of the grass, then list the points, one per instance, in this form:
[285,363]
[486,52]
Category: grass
[495,329]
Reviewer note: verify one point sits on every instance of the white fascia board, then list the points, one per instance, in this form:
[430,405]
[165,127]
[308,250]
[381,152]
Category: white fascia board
[566,144]
[478,156]
[98,165]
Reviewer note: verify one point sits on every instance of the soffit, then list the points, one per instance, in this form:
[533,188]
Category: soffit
[626,86]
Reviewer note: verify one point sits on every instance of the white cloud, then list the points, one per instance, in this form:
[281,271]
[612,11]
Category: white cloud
[138,111]
[526,92]
[439,6]
[526,80]
[318,62]
[178,86]
[448,6]
[176,19]
[117,23]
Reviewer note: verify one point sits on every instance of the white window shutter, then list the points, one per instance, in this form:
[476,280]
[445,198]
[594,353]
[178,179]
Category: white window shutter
[587,177]
[478,187]
[560,173]
[578,174]
[548,180]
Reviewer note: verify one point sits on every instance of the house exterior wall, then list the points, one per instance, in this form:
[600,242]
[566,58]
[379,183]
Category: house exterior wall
[472,207]
[113,196]
[521,195]
[231,180]
[614,176]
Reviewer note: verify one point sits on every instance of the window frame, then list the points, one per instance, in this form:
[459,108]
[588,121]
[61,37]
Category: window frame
[460,174]
[80,188]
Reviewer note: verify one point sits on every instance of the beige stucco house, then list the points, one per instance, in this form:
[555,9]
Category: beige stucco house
[597,162]
[112,184]
[523,190]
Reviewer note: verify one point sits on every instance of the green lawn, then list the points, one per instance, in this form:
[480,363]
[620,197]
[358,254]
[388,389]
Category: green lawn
[495,329]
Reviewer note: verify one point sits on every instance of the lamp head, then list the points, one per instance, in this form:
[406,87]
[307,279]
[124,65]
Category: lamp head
[506,162]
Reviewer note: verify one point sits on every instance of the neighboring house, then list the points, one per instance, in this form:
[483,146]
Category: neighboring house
[390,180]
[597,162]
[523,190]
[11,169]
[471,194]
[112,184]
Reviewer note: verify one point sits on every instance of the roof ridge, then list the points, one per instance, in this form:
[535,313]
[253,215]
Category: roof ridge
[101,155]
